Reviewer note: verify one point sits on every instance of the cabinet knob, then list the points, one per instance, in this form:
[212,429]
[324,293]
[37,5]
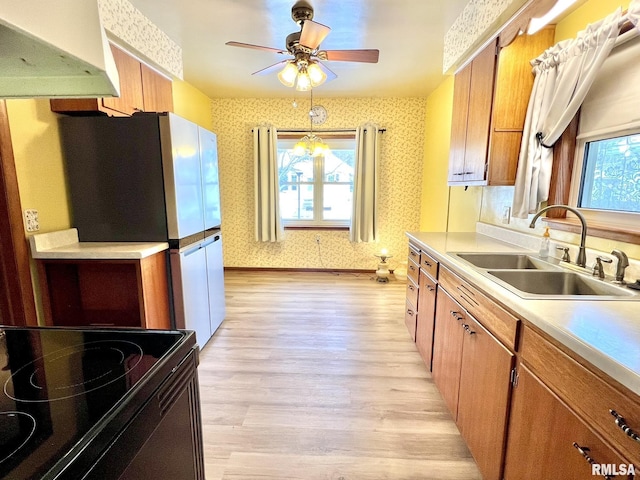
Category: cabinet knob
[430,288]
[622,424]
[411,287]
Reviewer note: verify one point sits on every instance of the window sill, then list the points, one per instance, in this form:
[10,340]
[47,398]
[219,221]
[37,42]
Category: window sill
[612,232]
[314,227]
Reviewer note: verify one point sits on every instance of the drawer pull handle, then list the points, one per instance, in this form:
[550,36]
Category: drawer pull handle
[584,451]
[456,315]
[430,288]
[427,263]
[467,329]
[412,268]
[624,427]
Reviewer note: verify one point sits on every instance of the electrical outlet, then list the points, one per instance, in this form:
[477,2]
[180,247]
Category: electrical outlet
[31,220]
[506,214]
[318,239]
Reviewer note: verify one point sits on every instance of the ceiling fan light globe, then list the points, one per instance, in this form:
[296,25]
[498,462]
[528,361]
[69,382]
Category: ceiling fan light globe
[288,74]
[316,75]
[304,82]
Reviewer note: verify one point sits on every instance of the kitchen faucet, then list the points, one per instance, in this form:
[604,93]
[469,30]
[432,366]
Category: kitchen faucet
[581,261]
[623,262]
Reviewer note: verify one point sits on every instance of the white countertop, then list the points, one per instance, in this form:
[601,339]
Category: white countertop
[606,333]
[64,245]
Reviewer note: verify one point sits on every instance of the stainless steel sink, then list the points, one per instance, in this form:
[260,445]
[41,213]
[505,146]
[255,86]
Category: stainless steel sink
[504,261]
[561,284]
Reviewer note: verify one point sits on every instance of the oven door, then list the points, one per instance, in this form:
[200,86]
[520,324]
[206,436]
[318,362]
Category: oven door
[164,440]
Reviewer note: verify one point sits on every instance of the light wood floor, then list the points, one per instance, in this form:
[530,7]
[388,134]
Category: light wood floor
[314,376]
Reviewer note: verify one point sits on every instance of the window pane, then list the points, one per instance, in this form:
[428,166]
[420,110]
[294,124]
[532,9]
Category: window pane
[611,178]
[297,204]
[338,166]
[337,202]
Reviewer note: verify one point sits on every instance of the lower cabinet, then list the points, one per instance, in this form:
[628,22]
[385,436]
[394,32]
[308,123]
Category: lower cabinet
[105,293]
[426,318]
[473,371]
[547,440]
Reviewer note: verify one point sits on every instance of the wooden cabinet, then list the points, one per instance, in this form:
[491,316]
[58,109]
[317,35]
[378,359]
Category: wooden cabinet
[490,101]
[547,440]
[106,293]
[427,289]
[472,370]
[413,274]
[141,90]
[590,396]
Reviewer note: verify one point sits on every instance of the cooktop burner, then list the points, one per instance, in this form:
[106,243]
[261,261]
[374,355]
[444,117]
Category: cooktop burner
[17,429]
[88,366]
[58,385]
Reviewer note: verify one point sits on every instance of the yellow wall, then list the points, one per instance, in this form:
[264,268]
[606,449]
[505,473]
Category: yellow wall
[191,103]
[400,180]
[435,192]
[590,12]
[39,166]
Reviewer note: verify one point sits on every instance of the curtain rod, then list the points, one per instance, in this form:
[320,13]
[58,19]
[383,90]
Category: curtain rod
[323,130]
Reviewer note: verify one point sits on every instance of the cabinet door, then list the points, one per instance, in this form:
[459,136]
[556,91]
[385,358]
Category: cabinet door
[426,317]
[461,85]
[480,100]
[483,400]
[157,93]
[542,434]
[130,99]
[447,350]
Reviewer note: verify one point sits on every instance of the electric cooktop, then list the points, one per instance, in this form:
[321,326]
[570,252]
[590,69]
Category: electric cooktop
[57,386]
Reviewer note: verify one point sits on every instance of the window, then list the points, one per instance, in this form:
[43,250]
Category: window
[606,174]
[316,191]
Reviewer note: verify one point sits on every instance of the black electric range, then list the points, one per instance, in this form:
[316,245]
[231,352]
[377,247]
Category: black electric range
[88,403]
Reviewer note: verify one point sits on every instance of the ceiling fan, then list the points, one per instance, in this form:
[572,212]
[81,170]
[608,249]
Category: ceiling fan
[306,70]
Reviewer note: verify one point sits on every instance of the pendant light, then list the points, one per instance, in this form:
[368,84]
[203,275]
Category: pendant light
[311,144]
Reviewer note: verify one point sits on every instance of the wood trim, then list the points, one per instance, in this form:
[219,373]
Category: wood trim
[309,270]
[311,227]
[612,232]
[17,303]
[564,154]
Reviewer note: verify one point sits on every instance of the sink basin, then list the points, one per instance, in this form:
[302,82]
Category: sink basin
[504,261]
[561,284]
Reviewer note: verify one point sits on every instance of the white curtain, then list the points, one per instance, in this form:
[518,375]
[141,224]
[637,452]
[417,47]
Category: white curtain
[633,13]
[364,216]
[563,75]
[268,224]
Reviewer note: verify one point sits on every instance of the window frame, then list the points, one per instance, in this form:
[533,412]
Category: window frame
[334,141]
[621,220]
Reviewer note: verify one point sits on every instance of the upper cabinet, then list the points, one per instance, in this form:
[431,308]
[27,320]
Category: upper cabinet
[141,90]
[490,101]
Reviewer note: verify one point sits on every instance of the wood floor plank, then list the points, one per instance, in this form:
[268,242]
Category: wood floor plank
[314,376]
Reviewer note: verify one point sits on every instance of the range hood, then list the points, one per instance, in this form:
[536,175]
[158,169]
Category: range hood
[54,49]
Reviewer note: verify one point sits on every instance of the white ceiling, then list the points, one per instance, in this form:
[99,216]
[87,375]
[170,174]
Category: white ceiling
[408,33]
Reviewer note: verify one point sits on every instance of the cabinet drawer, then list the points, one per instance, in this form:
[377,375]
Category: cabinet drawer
[412,292]
[410,319]
[414,254]
[429,265]
[413,270]
[588,394]
[493,317]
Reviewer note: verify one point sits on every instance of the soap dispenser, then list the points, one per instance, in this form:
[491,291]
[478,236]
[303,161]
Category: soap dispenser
[544,245]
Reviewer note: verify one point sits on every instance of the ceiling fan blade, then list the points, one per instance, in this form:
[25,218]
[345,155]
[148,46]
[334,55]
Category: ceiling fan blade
[273,68]
[364,56]
[328,72]
[313,33]
[256,47]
